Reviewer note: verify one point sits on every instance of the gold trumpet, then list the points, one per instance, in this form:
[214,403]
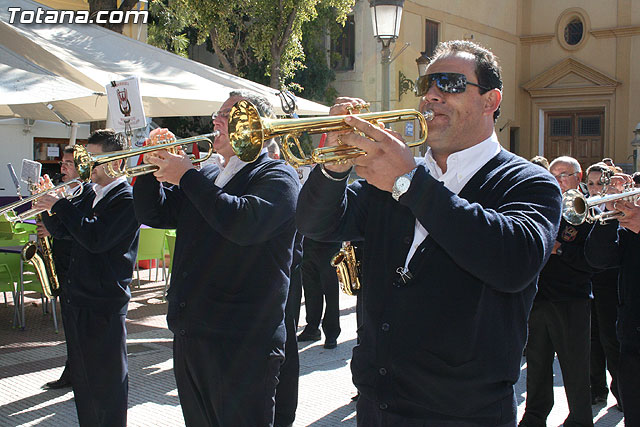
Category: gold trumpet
[576,208]
[248,131]
[85,162]
[68,190]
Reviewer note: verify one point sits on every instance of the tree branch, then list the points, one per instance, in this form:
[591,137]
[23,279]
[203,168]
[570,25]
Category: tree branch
[229,68]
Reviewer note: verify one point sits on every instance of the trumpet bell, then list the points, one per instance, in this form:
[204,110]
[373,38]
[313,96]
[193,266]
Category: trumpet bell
[83,162]
[574,207]
[246,131]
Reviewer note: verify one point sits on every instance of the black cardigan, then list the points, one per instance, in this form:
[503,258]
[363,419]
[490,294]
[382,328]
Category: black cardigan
[62,245]
[448,344]
[233,247]
[103,253]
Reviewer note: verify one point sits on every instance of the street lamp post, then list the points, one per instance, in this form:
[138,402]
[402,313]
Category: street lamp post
[386,16]
[635,143]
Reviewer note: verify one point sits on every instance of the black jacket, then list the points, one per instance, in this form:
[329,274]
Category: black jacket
[567,275]
[233,248]
[448,344]
[103,253]
[62,246]
[611,246]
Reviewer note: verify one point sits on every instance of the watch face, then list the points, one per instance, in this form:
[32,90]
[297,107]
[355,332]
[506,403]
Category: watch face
[403,183]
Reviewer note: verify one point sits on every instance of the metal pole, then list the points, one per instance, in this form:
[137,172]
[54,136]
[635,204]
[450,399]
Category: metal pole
[386,62]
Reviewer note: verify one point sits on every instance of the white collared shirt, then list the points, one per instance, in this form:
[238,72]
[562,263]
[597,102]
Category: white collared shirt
[461,166]
[102,191]
[230,169]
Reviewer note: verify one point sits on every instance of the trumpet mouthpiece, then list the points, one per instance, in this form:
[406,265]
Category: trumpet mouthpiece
[429,115]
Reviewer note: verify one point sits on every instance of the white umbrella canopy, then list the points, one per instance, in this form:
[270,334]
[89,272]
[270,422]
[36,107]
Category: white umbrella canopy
[27,89]
[92,56]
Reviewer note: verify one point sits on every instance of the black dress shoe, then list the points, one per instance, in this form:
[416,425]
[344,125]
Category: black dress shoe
[57,384]
[329,344]
[309,335]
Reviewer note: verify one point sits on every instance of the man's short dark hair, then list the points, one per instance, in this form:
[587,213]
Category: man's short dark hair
[108,139]
[67,149]
[487,70]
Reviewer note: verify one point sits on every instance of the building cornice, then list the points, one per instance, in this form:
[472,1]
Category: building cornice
[536,39]
[616,32]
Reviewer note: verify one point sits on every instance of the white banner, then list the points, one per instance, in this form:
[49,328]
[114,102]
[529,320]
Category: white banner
[125,104]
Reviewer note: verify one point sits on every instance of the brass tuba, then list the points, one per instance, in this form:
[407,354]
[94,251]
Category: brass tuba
[248,132]
[347,268]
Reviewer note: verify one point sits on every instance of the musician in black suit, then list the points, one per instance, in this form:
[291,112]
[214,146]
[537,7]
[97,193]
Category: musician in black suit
[453,244]
[104,235]
[230,278]
[62,248]
[617,244]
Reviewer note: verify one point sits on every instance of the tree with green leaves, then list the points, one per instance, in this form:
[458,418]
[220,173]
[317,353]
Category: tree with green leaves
[245,35]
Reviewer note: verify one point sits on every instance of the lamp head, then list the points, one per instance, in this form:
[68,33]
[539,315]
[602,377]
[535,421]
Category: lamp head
[386,16]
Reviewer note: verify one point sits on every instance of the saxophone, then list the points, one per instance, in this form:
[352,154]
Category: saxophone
[347,269]
[43,263]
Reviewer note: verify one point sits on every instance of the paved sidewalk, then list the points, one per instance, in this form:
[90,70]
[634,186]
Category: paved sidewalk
[36,355]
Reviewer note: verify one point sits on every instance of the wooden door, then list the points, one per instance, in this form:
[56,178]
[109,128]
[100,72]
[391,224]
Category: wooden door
[576,134]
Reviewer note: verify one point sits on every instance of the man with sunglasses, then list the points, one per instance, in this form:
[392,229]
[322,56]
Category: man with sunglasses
[453,244]
[231,271]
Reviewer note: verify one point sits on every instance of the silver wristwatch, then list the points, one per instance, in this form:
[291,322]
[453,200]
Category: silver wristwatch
[402,183]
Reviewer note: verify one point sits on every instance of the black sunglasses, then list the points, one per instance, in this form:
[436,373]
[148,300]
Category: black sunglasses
[446,82]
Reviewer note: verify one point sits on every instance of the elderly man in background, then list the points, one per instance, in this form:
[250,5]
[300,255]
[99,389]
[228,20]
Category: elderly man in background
[560,319]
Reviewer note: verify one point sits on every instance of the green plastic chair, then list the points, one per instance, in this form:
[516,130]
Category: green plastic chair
[26,282]
[171,244]
[11,234]
[8,284]
[151,246]
[24,227]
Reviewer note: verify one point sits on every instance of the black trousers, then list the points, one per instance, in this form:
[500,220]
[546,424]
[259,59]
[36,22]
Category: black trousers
[66,373]
[629,383]
[605,349]
[287,389]
[319,280]
[97,350]
[226,381]
[562,328]
[368,414]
